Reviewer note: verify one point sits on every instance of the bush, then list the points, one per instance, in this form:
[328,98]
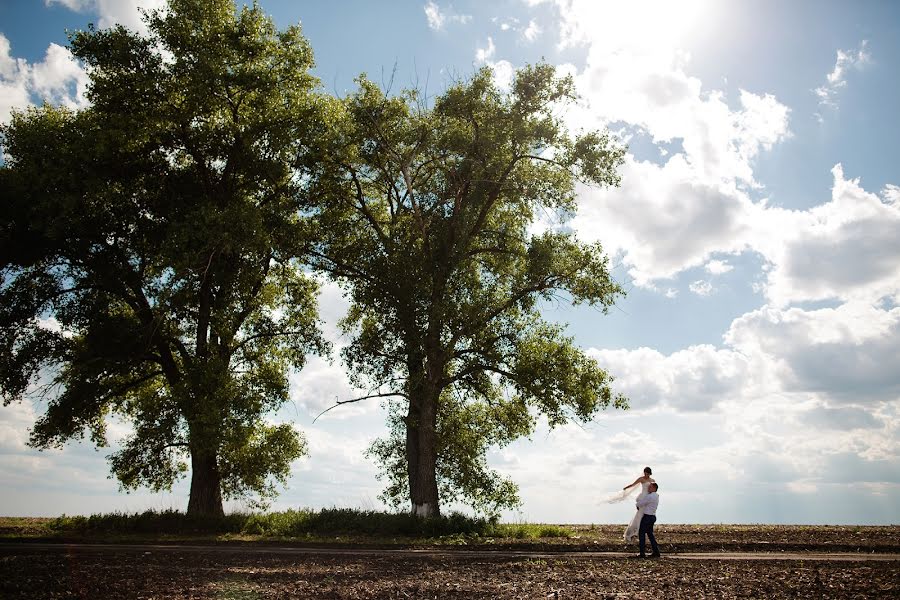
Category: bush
[303,523]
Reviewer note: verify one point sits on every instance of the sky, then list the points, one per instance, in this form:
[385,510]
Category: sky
[756,230]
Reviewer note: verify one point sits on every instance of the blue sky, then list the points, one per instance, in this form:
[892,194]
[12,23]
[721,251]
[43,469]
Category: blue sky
[757,230]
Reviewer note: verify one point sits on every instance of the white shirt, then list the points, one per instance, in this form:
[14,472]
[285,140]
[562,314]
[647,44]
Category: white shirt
[649,503]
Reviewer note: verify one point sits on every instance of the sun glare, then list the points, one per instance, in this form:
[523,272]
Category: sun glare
[645,25]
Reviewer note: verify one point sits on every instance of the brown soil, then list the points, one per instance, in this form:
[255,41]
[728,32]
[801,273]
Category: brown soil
[29,571]
[127,574]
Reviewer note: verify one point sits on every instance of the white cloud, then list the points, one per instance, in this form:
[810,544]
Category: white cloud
[14,81]
[322,384]
[718,267]
[333,305]
[483,55]
[701,287]
[664,219]
[846,61]
[76,5]
[434,16]
[645,25]
[847,248]
[503,69]
[842,418]
[652,92]
[58,79]
[838,358]
[846,355]
[891,195]
[671,217]
[437,18]
[507,24]
[698,378]
[18,417]
[532,32]
[112,12]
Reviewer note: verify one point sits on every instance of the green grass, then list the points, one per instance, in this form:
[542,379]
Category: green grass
[312,525]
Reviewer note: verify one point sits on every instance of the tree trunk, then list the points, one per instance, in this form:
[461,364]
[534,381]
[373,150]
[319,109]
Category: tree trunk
[206,486]
[421,454]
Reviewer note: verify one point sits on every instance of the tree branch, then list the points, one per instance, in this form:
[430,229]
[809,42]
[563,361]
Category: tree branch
[364,208]
[369,397]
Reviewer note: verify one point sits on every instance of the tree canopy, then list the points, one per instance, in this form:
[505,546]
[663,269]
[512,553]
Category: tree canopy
[150,247]
[426,215]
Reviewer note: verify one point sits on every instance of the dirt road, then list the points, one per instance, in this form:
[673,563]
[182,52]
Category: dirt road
[432,552]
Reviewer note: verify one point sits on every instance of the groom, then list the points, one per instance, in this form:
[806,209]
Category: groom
[649,504]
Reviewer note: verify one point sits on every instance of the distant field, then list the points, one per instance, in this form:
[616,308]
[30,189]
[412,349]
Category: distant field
[767,538]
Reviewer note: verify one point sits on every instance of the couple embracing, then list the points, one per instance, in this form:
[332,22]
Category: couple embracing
[641,525]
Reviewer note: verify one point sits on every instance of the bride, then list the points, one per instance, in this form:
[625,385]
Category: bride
[631,532]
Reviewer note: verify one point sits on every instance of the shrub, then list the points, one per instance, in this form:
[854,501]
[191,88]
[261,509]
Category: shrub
[301,523]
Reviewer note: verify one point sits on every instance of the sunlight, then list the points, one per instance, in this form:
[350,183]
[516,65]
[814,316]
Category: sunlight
[648,25]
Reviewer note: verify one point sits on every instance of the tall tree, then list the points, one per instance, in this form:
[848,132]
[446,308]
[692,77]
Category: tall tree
[149,248]
[426,217]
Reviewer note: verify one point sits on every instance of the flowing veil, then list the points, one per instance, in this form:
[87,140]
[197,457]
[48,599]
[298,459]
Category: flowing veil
[621,496]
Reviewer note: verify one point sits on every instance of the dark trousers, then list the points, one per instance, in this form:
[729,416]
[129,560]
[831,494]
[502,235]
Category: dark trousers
[646,529]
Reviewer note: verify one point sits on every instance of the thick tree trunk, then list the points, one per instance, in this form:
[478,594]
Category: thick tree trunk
[421,450]
[206,486]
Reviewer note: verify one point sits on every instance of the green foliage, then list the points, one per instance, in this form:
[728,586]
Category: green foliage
[151,243]
[304,523]
[425,216]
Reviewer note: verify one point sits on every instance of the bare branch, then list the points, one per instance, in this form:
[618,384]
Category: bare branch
[369,397]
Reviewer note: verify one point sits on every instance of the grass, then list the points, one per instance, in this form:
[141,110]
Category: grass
[310,525]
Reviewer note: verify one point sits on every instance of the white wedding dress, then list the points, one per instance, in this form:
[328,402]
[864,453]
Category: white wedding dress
[631,532]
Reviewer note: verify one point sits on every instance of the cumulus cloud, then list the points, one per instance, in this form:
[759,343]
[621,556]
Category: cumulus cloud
[506,24]
[14,81]
[842,419]
[698,378]
[437,18]
[841,359]
[111,12]
[848,355]
[654,93]
[673,216]
[847,248]
[664,219]
[57,79]
[847,60]
[76,5]
[323,382]
[636,73]
[485,54]
[718,267]
[701,287]
[14,427]
[503,69]
[891,195]
[532,32]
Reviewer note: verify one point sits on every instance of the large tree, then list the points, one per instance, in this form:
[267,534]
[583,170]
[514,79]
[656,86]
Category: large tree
[149,250]
[427,217]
